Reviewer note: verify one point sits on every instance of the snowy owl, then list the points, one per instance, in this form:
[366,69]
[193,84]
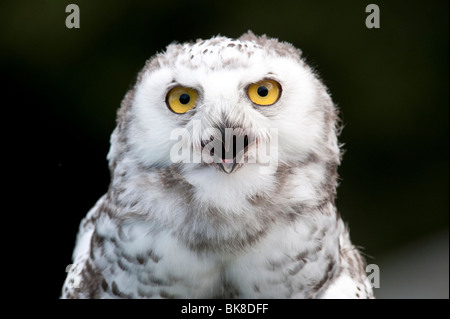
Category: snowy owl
[223,177]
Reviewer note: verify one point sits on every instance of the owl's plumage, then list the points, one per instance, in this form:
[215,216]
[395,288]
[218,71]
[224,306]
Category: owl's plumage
[197,230]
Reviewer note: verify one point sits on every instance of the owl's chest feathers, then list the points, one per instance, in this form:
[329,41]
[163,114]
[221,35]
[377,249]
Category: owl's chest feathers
[138,260]
[160,236]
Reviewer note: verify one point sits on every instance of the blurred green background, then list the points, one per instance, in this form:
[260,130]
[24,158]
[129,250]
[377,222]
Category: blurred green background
[391,85]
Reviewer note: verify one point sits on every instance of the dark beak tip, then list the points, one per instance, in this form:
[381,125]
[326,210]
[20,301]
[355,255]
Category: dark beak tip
[228,168]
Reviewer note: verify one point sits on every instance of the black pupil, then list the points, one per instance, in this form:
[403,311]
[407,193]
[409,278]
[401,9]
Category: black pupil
[263,91]
[185,98]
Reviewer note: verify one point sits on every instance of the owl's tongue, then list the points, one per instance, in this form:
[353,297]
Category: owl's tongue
[228,165]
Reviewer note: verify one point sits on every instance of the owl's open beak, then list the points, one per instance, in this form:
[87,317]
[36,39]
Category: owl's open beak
[227,149]
[233,150]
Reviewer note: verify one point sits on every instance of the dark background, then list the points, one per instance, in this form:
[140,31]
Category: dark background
[391,84]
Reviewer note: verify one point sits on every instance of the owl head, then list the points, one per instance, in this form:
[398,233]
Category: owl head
[226,108]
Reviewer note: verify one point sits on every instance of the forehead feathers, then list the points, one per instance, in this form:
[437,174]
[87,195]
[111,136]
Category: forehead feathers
[222,52]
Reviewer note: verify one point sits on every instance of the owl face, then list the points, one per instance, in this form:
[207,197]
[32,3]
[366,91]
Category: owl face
[227,106]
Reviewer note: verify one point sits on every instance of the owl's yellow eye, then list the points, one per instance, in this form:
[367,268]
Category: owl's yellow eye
[181,99]
[265,92]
